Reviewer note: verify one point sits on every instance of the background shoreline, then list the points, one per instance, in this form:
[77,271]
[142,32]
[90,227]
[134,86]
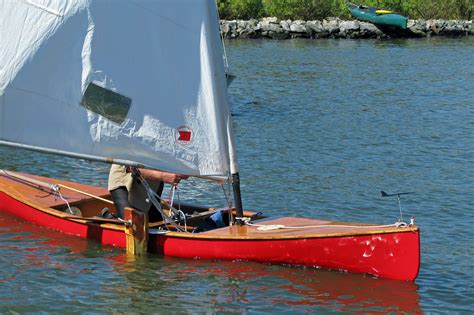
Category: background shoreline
[273,28]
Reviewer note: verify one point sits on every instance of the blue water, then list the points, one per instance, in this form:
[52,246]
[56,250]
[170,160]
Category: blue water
[321,127]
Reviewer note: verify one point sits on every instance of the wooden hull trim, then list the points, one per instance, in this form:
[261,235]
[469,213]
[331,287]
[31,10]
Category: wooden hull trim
[290,237]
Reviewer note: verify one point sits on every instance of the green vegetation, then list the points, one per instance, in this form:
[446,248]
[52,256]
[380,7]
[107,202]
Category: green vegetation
[319,9]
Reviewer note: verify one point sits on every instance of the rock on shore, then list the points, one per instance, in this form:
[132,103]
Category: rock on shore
[271,27]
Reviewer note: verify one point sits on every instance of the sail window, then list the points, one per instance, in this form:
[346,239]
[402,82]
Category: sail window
[106,103]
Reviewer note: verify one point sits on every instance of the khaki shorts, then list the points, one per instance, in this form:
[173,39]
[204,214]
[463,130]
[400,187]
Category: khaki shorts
[137,196]
[119,177]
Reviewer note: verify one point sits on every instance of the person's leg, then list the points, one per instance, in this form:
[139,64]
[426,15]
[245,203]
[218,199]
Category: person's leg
[120,199]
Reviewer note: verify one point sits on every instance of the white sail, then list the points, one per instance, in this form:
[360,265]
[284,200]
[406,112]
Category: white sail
[134,80]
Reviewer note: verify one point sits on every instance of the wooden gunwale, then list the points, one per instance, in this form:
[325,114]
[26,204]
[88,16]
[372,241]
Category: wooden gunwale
[17,195]
[204,235]
[60,214]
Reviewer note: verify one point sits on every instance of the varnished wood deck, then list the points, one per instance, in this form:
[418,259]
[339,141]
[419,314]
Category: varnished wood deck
[42,196]
[299,228]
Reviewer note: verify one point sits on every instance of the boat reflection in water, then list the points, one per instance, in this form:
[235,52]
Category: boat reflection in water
[38,246]
[306,288]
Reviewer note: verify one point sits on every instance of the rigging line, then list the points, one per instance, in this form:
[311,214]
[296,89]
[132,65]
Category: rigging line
[54,187]
[181,212]
[30,180]
[58,192]
[179,199]
[86,194]
[177,212]
[210,184]
[226,62]
[42,95]
[184,219]
[173,211]
[227,196]
[152,197]
[170,198]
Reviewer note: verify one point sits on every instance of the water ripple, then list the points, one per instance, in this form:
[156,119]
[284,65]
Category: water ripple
[321,127]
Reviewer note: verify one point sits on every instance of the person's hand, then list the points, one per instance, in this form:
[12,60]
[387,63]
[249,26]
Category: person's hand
[172,178]
[166,177]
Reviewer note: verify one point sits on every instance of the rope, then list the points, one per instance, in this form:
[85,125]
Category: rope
[153,197]
[170,198]
[86,194]
[203,190]
[173,211]
[183,215]
[226,63]
[181,212]
[53,187]
[31,180]
[57,192]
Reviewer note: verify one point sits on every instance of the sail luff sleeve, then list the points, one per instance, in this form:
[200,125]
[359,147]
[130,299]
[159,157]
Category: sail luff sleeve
[222,91]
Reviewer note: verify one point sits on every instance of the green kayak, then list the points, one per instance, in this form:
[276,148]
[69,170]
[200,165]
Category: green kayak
[378,16]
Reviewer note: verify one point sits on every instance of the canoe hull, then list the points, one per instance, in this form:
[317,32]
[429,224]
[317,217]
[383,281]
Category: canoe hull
[385,252]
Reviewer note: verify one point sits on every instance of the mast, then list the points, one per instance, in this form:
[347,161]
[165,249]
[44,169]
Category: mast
[237,197]
[235,176]
[234,170]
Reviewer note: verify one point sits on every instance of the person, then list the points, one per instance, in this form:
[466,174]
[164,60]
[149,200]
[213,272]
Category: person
[126,189]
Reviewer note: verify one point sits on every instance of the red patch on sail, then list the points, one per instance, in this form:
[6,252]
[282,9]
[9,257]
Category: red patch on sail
[184,135]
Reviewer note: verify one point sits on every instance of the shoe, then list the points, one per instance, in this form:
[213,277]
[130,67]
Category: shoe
[106,214]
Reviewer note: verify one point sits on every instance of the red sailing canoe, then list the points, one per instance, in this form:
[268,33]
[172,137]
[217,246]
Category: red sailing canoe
[380,250]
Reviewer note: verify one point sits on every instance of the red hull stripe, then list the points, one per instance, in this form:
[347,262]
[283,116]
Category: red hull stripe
[389,255]
[91,231]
